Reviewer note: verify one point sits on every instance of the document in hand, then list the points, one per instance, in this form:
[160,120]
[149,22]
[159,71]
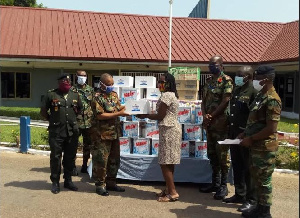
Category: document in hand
[230,142]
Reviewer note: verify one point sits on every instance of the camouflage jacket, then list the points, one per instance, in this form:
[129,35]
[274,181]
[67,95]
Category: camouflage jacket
[86,95]
[213,92]
[239,105]
[265,107]
[105,129]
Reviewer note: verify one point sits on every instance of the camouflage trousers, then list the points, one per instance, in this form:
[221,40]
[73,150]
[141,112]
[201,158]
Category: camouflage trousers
[262,168]
[106,161]
[218,154]
[86,145]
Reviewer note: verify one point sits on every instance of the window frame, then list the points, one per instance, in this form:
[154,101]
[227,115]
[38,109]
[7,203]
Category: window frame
[15,86]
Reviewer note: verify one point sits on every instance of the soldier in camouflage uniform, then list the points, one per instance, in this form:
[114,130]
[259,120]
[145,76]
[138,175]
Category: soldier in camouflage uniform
[105,133]
[243,95]
[65,106]
[261,136]
[217,93]
[86,94]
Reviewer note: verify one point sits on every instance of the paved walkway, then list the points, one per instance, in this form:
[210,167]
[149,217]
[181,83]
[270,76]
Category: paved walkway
[25,185]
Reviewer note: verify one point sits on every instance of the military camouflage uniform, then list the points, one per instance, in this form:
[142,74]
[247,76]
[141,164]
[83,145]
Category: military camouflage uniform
[105,140]
[86,95]
[214,91]
[265,107]
[63,130]
[241,100]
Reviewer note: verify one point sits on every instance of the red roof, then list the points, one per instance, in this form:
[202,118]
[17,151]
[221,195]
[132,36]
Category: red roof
[79,35]
[286,45]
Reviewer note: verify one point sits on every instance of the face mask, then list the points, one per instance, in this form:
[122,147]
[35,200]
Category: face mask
[239,81]
[64,87]
[81,80]
[108,89]
[256,85]
[214,69]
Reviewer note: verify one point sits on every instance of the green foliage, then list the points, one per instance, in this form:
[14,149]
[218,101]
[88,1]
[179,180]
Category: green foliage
[287,158]
[21,3]
[7,2]
[34,113]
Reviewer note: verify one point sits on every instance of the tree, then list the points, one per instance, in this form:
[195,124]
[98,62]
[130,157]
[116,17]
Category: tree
[21,3]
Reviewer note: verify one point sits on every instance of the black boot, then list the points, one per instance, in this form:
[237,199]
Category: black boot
[84,169]
[247,207]
[70,185]
[214,186]
[74,172]
[252,213]
[100,190]
[222,191]
[264,212]
[234,199]
[55,189]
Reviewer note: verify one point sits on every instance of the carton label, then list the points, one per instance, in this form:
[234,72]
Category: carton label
[192,132]
[141,146]
[155,147]
[184,115]
[120,82]
[125,145]
[185,149]
[201,150]
[130,129]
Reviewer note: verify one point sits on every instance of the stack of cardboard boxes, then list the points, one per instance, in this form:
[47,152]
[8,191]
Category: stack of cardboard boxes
[141,136]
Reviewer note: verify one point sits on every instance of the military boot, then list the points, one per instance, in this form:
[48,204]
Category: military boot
[55,189]
[252,213]
[264,212]
[222,192]
[214,186]
[101,190]
[75,172]
[70,185]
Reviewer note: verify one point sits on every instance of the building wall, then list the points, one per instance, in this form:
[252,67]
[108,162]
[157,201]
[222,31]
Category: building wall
[42,80]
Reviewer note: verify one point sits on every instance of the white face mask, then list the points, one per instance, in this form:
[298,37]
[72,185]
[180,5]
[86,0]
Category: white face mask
[81,80]
[256,85]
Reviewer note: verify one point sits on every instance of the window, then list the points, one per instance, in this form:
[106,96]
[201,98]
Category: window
[15,85]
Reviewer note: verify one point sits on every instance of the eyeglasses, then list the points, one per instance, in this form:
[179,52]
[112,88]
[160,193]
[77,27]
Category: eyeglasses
[161,81]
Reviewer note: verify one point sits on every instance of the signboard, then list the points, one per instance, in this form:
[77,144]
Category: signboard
[185,73]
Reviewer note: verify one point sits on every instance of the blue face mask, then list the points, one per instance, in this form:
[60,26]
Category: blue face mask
[213,69]
[108,89]
[239,81]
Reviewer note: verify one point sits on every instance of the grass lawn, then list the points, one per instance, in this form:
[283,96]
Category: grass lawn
[39,135]
[8,133]
[288,125]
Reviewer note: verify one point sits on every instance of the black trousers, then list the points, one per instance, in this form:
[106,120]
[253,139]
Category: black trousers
[58,145]
[241,162]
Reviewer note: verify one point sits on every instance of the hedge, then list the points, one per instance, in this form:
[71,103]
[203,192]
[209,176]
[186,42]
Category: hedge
[34,113]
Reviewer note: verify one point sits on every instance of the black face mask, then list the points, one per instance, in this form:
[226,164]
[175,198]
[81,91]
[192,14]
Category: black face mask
[213,69]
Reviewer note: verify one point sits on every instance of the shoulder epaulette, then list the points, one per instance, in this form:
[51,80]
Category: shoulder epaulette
[52,90]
